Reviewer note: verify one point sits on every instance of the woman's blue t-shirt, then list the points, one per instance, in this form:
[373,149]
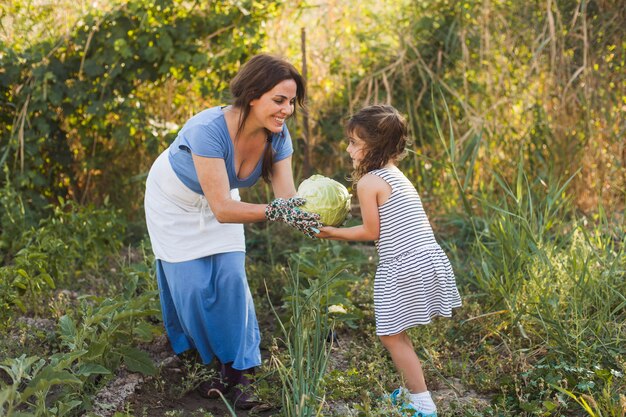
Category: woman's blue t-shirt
[206,134]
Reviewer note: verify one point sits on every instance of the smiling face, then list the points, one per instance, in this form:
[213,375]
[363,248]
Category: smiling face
[356,149]
[275,106]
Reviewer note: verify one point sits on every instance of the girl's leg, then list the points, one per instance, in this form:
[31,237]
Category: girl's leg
[410,367]
[406,361]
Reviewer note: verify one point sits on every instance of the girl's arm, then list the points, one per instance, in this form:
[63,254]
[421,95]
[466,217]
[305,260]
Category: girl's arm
[369,190]
[215,186]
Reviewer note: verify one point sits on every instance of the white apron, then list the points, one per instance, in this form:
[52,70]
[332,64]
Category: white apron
[180,222]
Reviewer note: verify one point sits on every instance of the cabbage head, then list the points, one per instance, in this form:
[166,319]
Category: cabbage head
[326,197]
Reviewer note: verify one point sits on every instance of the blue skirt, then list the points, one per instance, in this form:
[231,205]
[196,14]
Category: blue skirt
[207,306]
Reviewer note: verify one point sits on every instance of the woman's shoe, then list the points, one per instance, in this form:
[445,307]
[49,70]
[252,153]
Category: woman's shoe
[216,386]
[242,393]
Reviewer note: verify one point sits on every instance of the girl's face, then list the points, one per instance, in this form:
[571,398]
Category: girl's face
[275,106]
[356,149]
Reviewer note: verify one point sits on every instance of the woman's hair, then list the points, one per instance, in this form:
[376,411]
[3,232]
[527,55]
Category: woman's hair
[255,78]
[385,134]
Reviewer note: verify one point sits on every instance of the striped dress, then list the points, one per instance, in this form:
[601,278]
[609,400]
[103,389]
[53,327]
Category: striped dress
[414,280]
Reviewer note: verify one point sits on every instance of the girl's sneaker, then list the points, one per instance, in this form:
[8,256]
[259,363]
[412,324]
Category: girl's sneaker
[399,397]
[409,410]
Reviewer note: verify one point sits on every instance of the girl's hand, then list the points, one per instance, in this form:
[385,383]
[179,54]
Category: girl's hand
[326,232]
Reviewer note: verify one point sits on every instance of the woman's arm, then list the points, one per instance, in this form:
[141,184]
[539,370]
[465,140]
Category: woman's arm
[368,189]
[215,186]
[282,179]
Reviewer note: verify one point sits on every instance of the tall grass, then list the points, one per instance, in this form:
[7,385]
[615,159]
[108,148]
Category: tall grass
[560,278]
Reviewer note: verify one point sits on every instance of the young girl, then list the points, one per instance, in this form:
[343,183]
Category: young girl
[414,280]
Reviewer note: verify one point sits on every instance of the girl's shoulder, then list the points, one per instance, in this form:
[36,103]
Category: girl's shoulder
[372,182]
[387,172]
[374,188]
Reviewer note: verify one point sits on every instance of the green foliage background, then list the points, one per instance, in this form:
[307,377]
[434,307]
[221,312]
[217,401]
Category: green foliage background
[517,111]
[86,107]
[79,108]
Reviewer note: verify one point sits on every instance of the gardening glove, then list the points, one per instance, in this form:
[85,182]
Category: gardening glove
[287,211]
[294,202]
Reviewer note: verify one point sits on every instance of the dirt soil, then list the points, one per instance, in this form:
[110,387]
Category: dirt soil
[169,394]
[156,396]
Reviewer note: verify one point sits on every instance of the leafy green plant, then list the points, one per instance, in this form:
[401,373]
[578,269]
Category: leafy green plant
[307,341]
[15,217]
[106,331]
[90,349]
[73,239]
[331,259]
[33,379]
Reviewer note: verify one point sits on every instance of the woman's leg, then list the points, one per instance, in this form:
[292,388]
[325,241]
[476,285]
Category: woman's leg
[175,331]
[242,394]
[215,308]
[406,361]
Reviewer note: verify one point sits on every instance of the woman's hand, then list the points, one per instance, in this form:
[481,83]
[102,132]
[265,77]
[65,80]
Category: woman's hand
[287,211]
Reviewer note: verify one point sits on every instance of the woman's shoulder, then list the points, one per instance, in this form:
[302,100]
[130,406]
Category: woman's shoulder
[204,130]
[209,122]
[207,117]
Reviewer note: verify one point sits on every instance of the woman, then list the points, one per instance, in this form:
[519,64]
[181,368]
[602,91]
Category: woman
[195,217]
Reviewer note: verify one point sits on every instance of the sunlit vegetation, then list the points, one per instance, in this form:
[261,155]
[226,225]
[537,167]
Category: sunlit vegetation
[517,116]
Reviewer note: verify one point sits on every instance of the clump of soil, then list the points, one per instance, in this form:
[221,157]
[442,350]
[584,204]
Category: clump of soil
[115,394]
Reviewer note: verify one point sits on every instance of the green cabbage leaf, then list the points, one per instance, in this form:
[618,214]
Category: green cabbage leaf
[326,197]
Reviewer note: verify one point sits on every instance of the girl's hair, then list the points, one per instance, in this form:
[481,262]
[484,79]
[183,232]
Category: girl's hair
[255,78]
[385,134]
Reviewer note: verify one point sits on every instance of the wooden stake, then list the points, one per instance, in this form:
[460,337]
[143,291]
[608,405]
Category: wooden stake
[306,134]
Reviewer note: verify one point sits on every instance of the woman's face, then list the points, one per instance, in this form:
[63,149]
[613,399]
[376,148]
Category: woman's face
[275,106]
[356,149]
